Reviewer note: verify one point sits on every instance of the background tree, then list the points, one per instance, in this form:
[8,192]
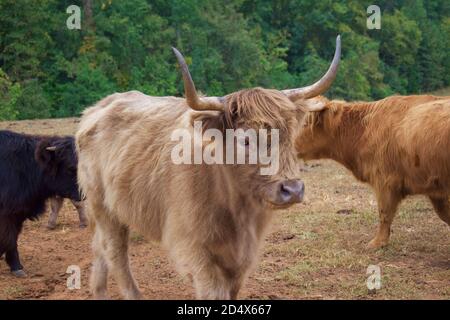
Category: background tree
[48,70]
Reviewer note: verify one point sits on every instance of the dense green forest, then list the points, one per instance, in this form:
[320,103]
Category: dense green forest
[47,70]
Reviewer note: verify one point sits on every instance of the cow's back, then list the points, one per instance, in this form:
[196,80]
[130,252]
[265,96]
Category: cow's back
[424,136]
[18,174]
[124,155]
[407,141]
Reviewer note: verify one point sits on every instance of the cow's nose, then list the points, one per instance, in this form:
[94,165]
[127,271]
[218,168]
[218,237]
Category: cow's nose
[292,191]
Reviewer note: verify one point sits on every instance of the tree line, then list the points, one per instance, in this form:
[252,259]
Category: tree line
[48,70]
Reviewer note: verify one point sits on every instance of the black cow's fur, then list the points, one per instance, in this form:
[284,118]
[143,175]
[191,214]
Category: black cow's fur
[30,173]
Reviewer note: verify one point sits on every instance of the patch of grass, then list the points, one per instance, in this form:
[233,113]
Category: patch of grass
[328,255]
[13,291]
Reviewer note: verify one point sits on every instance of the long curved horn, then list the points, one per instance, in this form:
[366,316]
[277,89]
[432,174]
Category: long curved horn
[192,98]
[323,84]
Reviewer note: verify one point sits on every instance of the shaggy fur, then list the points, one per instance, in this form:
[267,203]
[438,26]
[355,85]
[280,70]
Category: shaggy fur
[29,175]
[399,145]
[211,218]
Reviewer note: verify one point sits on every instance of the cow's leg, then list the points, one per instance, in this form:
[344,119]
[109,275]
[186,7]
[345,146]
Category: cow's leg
[4,227]
[79,205]
[55,206]
[387,208]
[99,274]
[216,287]
[442,207]
[213,282]
[13,261]
[115,245]
[11,231]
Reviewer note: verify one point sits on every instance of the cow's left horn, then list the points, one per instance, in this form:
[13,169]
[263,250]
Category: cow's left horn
[323,84]
[50,148]
[192,98]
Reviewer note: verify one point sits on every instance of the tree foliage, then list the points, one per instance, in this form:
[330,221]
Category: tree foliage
[47,70]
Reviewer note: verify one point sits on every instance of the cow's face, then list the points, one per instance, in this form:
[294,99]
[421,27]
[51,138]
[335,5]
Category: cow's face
[315,139]
[270,111]
[261,109]
[312,143]
[58,160]
[274,121]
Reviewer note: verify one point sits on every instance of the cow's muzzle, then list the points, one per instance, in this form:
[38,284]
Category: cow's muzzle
[292,191]
[285,193]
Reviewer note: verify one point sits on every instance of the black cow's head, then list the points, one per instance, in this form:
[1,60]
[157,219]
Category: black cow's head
[58,160]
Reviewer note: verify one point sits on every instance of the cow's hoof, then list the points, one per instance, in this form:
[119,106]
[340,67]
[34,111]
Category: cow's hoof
[83,225]
[375,244]
[19,273]
[51,226]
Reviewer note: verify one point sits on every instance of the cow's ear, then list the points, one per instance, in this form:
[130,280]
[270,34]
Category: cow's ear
[45,154]
[311,105]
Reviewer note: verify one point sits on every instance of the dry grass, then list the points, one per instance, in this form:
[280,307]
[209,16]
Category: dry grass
[442,92]
[314,252]
[327,255]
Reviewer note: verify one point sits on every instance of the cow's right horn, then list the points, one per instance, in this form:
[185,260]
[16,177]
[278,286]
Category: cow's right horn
[323,84]
[192,98]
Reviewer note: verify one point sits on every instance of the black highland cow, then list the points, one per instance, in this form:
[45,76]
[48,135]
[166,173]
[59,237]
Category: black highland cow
[32,170]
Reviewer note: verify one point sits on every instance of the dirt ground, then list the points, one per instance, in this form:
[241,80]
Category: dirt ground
[316,250]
